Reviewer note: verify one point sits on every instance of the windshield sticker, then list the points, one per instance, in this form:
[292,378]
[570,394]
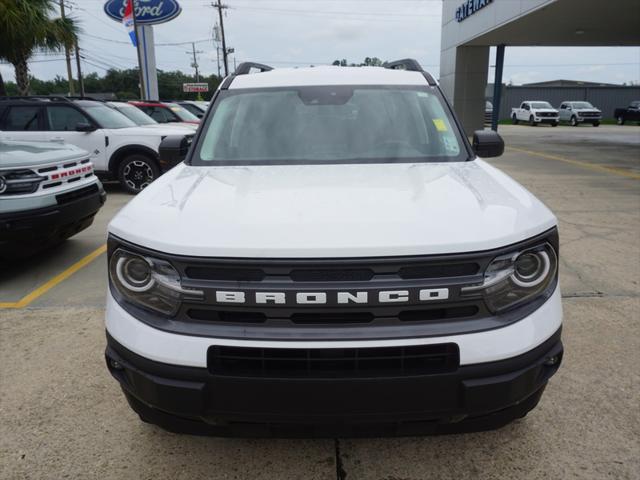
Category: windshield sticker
[440,125]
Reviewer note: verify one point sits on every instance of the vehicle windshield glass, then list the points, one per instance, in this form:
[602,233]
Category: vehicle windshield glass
[330,124]
[182,113]
[134,114]
[541,105]
[581,105]
[108,117]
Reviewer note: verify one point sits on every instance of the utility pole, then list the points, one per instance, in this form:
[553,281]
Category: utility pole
[80,80]
[216,43]
[195,59]
[220,7]
[66,54]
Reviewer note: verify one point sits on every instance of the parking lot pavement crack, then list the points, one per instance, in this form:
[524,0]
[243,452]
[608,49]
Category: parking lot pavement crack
[341,474]
[600,295]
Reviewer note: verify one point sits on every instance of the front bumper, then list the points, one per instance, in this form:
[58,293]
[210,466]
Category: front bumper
[589,119]
[44,225]
[547,119]
[471,398]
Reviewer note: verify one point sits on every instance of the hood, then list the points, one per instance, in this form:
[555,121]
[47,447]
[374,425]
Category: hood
[331,211]
[151,132]
[28,154]
[549,110]
[161,126]
[587,110]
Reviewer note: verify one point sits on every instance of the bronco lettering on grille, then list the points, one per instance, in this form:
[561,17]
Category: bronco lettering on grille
[336,297]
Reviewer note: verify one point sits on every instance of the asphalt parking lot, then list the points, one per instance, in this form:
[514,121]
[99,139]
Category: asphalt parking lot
[62,415]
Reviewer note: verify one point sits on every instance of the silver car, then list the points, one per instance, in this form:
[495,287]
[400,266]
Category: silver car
[576,113]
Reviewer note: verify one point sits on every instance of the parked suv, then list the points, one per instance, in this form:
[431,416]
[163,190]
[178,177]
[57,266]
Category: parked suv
[48,192]
[197,107]
[172,113]
[333,258]
[140,118]
[576,113]
[119,148]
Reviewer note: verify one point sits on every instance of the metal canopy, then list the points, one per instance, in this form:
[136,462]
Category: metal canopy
[570,23]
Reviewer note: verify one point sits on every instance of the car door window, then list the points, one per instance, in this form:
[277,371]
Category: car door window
[22,119]
[64,119]
[158,114]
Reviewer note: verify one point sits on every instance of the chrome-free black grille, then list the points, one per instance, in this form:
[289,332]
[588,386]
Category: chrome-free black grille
[333,362]
[74,195]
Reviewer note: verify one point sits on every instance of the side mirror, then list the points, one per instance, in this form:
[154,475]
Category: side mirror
[173,149]
[85,127]
[487,144]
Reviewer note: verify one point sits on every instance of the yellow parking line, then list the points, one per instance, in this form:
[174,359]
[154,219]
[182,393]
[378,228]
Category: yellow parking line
[591,166]
[42,289]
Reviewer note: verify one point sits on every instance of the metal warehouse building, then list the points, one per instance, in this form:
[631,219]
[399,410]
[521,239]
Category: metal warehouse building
[471,27]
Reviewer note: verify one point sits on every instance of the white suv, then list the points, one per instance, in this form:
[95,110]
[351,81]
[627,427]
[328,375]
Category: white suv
[48,193]
[333,258]
[118,147]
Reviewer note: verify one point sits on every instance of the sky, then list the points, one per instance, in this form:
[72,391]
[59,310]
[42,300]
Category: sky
[288,33]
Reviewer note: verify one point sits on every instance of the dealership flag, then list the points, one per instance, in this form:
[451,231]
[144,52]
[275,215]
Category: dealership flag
[129,24]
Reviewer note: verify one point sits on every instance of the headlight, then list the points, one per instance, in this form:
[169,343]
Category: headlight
[517,278]
[149,282]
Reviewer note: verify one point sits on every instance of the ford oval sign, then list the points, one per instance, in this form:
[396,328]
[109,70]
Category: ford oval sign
[148,12]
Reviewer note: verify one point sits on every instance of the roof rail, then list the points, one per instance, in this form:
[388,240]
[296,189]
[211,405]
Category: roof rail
[54,98]
[412,66]
[245,67]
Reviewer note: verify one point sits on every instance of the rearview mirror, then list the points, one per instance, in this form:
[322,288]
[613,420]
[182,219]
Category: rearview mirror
[85,127]
[487,143]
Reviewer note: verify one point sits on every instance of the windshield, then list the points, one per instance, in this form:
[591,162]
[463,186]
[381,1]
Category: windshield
[182,113]
[541,105]
[134,114]
[108,117]
[581,105]
[330,124]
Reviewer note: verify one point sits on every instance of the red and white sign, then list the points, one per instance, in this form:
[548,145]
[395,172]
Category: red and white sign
[195,87]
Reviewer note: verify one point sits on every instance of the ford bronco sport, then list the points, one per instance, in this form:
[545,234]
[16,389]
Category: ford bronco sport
[333,258]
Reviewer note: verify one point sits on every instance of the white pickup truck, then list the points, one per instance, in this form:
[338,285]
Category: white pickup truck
[535,112]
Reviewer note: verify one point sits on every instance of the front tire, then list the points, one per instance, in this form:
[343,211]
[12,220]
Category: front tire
[514,119]
[574,121]
[532,121]
[136,172]
[620,120]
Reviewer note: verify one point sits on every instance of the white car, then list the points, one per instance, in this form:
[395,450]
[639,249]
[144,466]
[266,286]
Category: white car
[535,112]
[118,147]
[333,258]
[141,119]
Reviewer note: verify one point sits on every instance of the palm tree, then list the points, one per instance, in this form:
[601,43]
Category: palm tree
[26,25]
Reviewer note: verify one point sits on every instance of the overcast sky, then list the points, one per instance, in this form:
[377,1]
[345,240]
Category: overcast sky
[302,32]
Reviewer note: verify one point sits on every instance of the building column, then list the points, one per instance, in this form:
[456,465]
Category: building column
[463,78]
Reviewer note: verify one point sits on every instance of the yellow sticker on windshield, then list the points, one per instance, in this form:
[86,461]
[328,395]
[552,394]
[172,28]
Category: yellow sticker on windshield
[440,125]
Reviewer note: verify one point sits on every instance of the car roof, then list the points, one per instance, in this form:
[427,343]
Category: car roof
[330,75]
[50,100]
[148,103]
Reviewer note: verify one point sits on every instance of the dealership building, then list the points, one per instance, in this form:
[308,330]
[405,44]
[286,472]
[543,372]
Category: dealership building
[471,27]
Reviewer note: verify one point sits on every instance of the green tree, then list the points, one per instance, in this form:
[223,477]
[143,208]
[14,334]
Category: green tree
[26,25]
